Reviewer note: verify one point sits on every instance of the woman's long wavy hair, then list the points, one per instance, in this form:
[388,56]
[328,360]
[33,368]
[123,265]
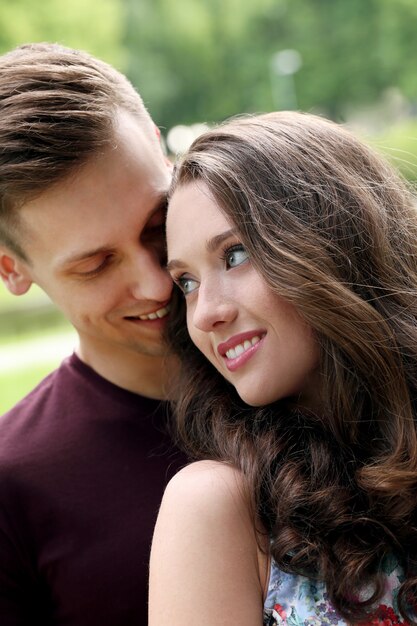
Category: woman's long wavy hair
[332,228]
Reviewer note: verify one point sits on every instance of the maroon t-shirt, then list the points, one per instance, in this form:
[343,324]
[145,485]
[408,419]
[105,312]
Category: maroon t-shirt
[83,465]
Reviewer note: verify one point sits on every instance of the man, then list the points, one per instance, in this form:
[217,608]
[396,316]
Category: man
[83,458]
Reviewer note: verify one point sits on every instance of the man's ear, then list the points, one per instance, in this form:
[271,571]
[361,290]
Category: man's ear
[168,161]
[14,273]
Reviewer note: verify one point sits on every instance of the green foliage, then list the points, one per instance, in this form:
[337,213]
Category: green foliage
[204,61]
[191,60]
[207,60]
[92,25]
[399,144]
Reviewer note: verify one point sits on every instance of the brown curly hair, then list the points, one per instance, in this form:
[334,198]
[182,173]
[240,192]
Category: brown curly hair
[332,228]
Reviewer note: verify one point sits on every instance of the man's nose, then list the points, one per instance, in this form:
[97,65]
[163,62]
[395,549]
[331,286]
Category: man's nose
[148,279]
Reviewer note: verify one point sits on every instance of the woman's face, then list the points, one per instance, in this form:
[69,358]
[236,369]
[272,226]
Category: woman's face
[255,339]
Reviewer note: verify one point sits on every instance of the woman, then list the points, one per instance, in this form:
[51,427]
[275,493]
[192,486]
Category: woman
[295,247]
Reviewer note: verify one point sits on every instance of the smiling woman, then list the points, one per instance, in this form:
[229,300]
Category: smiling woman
[294,249]
[233,316]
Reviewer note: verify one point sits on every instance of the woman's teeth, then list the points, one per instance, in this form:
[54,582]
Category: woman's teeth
[242,347]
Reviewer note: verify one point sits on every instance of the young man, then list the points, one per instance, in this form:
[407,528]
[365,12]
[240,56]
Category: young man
[83,458]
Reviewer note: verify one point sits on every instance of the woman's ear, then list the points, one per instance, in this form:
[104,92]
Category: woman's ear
[14,272]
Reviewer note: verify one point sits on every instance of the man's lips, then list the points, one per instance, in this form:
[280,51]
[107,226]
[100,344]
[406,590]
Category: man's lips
[152,315]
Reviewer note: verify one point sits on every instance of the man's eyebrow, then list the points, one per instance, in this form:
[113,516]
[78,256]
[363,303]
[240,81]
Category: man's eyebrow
[211,246]
[83,256]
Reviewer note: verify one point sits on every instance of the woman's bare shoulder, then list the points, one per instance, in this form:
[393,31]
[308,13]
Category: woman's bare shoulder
[208,485]
[205,555]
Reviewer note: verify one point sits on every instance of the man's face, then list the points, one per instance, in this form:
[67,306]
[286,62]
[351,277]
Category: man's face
[96,243]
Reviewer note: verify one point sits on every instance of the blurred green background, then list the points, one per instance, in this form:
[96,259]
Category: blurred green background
[199,61]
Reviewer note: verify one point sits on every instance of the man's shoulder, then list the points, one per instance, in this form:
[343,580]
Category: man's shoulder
[38,395]
[31,420]
[23,418]
[33,398]
[66,408]
[66,388]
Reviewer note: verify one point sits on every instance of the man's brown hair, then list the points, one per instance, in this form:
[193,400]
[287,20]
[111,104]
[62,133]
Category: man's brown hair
[57,110]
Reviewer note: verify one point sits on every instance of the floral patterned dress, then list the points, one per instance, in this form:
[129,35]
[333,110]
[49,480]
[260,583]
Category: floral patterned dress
[298,601]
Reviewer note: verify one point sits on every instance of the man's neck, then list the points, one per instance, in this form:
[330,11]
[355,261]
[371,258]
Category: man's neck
[140,373]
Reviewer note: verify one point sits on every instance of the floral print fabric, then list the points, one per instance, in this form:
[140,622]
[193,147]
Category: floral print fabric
[294,600]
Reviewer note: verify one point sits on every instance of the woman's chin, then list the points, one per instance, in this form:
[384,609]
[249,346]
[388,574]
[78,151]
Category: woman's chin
[254,400]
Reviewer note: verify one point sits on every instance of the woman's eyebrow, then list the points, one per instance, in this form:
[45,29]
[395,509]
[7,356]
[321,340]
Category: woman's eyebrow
[213,243]
[211,246]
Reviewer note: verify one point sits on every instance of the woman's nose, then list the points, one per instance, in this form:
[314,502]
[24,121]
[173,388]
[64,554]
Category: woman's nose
[213,307]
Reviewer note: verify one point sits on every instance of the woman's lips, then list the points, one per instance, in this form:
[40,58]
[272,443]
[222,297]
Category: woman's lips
[237,350]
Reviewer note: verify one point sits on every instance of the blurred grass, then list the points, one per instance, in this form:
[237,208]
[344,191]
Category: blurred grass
[8,301]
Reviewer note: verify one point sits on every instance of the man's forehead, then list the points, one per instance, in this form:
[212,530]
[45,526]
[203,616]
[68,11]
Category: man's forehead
[105,200]
[110,241]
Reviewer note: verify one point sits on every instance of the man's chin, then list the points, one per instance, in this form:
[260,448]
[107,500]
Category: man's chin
[154,350]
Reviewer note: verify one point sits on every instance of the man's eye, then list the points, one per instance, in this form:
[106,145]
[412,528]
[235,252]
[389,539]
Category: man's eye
[96,270]
[235,255]
[186,284]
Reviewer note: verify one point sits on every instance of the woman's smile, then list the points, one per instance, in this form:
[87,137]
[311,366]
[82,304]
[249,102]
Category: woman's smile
[276,355]
[237,350]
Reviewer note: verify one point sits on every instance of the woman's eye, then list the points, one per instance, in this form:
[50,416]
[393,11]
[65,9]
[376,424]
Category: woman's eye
[186,284]
[236,255]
